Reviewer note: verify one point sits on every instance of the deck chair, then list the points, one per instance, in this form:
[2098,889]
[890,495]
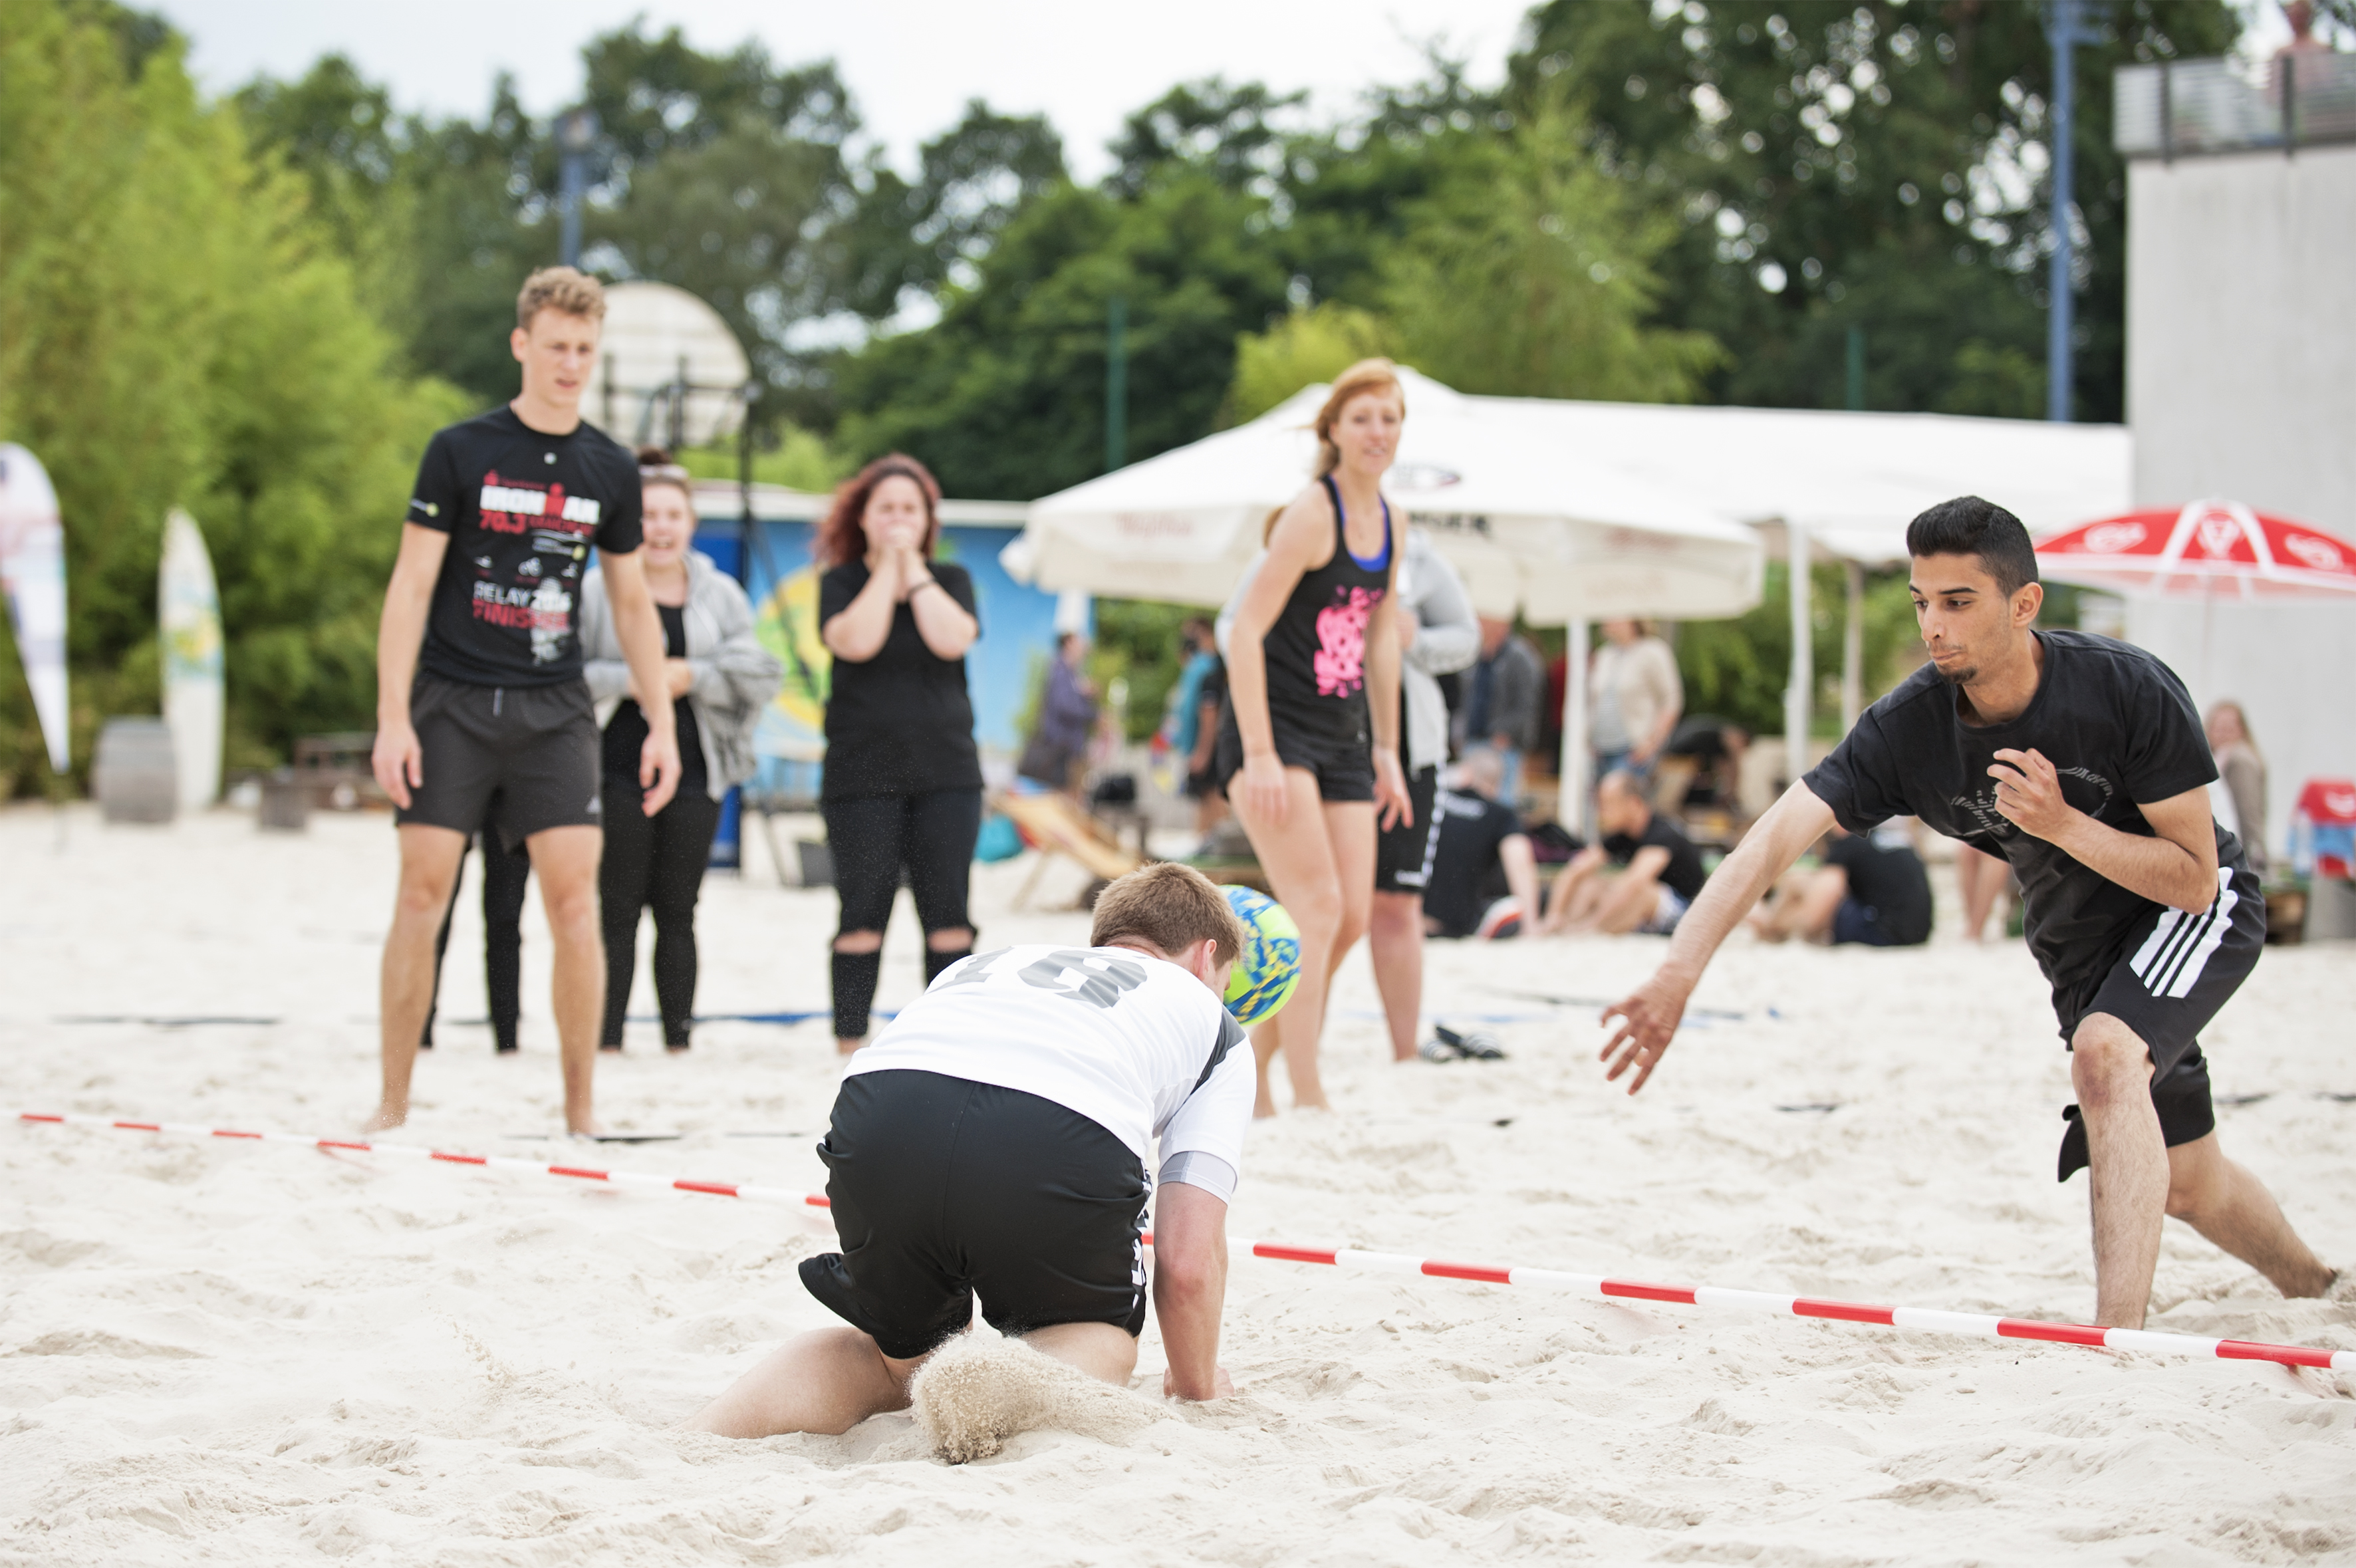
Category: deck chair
[1054,826]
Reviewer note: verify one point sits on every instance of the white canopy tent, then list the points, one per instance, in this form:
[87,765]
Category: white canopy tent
[1559,537]
[1565,511]
[1840,486]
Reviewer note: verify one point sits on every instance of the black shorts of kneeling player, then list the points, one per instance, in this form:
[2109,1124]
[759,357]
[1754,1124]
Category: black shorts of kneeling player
[943,1189]
[2173,973]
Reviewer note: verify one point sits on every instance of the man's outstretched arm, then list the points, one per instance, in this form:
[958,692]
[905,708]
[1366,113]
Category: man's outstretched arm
[1649,1016]
[1190,1287]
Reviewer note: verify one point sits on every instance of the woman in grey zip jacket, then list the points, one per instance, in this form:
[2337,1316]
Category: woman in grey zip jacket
[720,680]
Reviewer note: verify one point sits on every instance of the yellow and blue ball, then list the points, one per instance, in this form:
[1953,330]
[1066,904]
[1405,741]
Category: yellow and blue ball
[1270,966]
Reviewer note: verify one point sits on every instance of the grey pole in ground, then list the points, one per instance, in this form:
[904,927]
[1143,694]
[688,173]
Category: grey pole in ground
[576,133]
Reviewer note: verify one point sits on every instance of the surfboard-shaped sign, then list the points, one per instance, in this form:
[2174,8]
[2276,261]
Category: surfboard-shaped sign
[33,576]
[188,614]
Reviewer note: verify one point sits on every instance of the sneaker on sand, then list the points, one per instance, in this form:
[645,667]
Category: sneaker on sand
[1478,1044]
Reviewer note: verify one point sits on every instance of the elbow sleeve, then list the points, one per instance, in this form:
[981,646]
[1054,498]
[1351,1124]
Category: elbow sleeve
[1208,1172]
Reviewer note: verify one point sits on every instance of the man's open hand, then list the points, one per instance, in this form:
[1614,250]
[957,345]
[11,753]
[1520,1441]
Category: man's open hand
[398,762]
[2029,794]
[1647,1019]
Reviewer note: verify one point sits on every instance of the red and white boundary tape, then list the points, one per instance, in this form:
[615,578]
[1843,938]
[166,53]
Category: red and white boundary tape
[1921,1320]
[491,1161]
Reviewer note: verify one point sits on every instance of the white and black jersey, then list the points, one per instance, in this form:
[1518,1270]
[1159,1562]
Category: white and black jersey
[1135,1045]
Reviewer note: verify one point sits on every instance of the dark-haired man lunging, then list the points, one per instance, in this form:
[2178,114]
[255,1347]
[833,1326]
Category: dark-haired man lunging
[2080,760]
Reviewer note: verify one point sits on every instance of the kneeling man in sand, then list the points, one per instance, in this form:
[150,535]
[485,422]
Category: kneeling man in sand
[994,1140]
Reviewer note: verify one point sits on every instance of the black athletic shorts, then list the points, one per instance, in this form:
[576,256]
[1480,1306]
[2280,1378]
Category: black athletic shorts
[1344,764]
[944,1189]
[534,749]
[1403,855]
[2173,973]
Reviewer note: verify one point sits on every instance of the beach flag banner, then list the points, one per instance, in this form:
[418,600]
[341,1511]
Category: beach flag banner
[33,576]
[1718,1298]
[188,615]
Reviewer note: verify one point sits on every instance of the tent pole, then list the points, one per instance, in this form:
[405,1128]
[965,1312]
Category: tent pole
[1571,807]
[1852,689]
[1796,702]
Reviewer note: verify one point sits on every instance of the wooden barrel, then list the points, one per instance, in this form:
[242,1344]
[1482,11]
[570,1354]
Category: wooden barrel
[136,772]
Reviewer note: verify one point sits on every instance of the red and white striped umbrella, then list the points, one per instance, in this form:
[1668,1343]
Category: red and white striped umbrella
[2210,550]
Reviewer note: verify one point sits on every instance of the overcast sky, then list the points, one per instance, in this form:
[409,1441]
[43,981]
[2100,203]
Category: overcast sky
[911,65]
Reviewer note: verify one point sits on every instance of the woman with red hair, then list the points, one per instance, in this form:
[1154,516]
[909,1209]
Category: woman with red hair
[903,781]
[1307,747]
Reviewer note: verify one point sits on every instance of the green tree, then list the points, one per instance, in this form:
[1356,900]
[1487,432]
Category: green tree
[175,328]
[1004,395]
[1530,275]
[1305,348]
[1862,162]
[971,181]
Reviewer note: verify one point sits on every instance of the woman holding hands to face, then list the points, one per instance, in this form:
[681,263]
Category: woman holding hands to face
[902,782]
[1307,747]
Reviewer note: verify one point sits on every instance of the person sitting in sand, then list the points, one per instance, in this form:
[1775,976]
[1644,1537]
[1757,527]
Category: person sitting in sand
[1482,845]
[2081,761]
[994,1140]
[1871,888]
[1659,878]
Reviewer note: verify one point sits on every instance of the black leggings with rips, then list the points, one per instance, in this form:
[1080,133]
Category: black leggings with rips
[930,836]
[653,863]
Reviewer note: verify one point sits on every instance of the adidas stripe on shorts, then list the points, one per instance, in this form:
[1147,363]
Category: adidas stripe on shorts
[2175,971]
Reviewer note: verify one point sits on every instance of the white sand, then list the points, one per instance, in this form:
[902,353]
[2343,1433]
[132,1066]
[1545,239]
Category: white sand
[254,1354]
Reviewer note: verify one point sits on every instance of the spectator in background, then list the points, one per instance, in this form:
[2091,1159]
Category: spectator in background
[1501,706]
[2241,777]
[1438,634]
[1191,727]
[1981,878]
[1715,747]
[903,785]
[1661,874]
[1480,845]
[1634,696]
[1058,747]
[717,678]
[1871,888]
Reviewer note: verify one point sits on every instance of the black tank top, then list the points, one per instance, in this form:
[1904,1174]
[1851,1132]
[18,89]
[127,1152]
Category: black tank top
[1316,651]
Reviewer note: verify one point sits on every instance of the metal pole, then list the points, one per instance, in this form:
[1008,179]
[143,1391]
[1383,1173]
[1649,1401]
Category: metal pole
[1857,370]
[576,133]
[2290,103]
[2063,29]
[751,391]
[1852,687]
[1116,383]
[1571,781]
[1799,697]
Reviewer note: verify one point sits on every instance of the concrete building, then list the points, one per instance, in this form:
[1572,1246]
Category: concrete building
[2242,376]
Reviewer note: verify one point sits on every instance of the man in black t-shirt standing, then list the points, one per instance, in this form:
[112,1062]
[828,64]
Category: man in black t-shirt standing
[1871,889]
[479,694]
[2081,761]
[1481,841]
